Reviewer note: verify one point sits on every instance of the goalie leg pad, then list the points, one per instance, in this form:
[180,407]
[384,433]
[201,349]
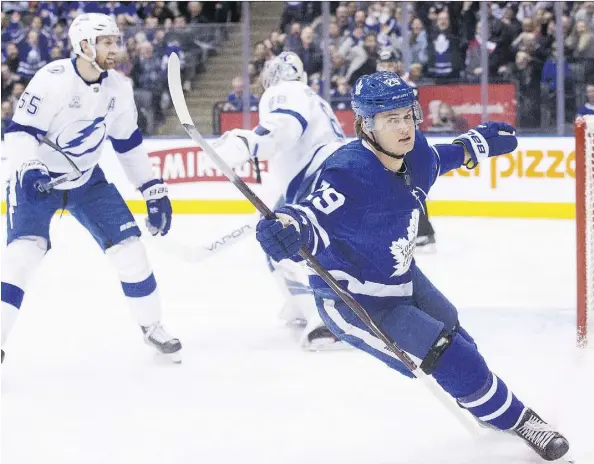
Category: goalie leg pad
[138,281]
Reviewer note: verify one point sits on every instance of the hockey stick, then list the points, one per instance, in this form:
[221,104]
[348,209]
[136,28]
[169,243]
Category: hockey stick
[74,174]
[179,103]
[207,250]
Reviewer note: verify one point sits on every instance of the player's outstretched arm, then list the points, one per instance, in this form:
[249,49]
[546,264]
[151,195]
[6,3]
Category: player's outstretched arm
[487,140]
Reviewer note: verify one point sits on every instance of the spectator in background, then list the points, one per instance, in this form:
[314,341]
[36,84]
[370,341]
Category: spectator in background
[414,77]
[194,14]
[309,52]
[342,19]
[17,90]
[358,21]
[588,107]
[59,37]
[162,12]
[293,40]
[12,58]
[159,43]
[235,98]
[6,116]
[387,60]
[549,90]
[447,120]
[334,37]
[315,83]
[581,43]
[55,54]
[292,13]
[8,81]
[276,43]
[32,55]
[527,34]
[444,59]
[586,14]
[339,67]
[261,55]
[362,58]
[341,95]
[14,31]
[526,75]
[149,86]
[418,42]
[511,22]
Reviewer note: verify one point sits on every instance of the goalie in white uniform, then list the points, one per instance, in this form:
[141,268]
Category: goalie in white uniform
[78,104]
[298,130]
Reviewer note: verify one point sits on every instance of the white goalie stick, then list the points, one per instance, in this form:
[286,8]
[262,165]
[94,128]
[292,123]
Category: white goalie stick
[179,103]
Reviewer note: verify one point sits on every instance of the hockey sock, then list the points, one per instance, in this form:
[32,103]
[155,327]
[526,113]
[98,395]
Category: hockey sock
[463,373]
[21,257]
[138,281]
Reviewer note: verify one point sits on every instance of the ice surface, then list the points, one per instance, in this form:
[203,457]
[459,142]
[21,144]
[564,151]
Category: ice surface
[79,386]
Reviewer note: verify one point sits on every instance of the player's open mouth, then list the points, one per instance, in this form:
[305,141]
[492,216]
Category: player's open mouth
[405,140]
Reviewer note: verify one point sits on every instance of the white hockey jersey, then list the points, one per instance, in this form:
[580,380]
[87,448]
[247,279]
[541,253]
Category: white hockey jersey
[78,117]
[297,131]
[305,122]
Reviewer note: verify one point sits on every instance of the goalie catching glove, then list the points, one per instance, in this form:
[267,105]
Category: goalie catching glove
[486,140]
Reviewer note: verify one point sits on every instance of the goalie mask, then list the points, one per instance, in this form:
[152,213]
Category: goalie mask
[285,67]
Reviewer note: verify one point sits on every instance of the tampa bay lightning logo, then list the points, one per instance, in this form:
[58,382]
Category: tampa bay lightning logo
[82,137]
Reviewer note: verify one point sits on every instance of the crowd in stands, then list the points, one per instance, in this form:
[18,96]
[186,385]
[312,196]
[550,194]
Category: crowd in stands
[445,48]
[36,33]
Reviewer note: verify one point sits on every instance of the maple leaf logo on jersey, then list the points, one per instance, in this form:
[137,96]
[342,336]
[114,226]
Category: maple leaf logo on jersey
[403,249]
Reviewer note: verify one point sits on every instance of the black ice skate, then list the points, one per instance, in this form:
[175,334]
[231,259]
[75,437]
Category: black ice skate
[426,244]
[2,357]
[155,336]
[321,339]
[541,437]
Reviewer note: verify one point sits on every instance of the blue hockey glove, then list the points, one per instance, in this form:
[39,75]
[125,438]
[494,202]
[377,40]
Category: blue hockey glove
[158,206]
[277,240]
[33,174]
[486,140]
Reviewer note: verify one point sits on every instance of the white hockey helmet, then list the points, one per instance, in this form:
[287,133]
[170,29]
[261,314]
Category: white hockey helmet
[285,67]
[89,26]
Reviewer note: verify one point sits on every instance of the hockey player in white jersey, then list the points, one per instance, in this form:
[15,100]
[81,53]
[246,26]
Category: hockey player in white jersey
[299,130]
[77,104]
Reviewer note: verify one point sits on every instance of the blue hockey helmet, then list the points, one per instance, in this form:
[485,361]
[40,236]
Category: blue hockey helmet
[380,92]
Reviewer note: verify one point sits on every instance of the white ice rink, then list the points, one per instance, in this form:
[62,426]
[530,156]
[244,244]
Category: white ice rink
[80,387]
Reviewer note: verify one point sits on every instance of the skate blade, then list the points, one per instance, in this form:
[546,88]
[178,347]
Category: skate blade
[428,249]
[326,344]
[168,358]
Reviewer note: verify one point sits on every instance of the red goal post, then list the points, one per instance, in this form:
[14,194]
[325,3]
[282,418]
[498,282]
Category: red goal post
[584,208]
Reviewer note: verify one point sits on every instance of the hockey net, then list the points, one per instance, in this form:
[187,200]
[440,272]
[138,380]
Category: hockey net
[584,177]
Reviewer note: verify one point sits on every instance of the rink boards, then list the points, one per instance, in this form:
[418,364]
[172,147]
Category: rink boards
[535,181]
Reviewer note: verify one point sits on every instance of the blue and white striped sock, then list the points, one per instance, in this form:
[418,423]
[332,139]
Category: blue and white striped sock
[494,404]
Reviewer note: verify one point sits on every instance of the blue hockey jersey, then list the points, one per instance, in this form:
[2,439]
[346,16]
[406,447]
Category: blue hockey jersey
[362,219]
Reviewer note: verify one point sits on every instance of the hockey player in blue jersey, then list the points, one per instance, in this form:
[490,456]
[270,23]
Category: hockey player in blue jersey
[78,104]
[361,224]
